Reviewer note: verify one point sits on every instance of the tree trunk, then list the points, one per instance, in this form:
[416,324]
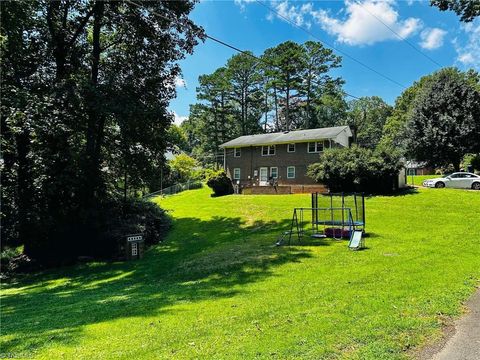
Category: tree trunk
[276,107]
[95,125]
[309,123]
[266,109]
[287,112]
[25,193]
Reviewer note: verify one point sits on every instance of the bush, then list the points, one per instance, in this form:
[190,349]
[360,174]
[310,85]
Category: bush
[219,183]
[95,234]
[356,169]
[473,160]
[137,216]
[8,260]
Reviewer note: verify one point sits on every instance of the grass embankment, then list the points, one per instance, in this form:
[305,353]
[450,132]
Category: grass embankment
[218,288]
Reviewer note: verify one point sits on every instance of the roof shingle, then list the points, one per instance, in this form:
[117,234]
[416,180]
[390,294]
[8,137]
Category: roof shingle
[287,137]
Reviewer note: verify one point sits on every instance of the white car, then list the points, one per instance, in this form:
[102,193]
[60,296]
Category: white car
[459,180]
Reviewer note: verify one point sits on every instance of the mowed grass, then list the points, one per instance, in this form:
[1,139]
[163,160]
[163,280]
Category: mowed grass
[417,180]
[218,289]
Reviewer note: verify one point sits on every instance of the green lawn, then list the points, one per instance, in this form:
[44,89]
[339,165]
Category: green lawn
[419,179]
[218,288]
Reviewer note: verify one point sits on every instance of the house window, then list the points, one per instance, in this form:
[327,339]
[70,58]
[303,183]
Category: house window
[134,249]
[291,172]
[268,150]
[317,146]
[274,172]
[291,148]
[236,174]
[237,152]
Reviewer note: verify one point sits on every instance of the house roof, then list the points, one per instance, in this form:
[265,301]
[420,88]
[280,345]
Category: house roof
[287,137]
[412,164]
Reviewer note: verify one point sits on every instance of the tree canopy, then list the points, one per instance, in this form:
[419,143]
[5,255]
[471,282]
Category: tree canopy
[288,87]
[466,9]
[367,117]
[443,124]
[85,90]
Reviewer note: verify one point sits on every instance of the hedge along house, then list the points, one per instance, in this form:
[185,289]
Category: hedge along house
[255,161]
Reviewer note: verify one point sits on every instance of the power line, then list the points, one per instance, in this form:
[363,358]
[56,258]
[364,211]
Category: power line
[331,46]
[398,35]
[224,43]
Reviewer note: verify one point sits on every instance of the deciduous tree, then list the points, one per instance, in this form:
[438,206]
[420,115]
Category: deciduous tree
[444,124]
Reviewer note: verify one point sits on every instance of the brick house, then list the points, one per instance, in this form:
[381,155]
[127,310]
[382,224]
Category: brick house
[280,158]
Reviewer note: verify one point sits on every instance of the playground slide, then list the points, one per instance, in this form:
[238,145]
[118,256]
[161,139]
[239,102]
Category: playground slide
[356,240]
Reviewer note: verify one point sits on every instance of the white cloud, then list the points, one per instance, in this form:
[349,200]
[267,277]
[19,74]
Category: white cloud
[468,52]
[178,119]
[432,38]
[242,3]
[179,82]
[362,26]
[293,13]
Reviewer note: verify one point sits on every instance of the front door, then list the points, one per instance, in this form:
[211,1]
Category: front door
[263,176]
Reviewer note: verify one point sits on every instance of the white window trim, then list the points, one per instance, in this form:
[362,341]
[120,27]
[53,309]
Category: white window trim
[316,146]
[134,249]
[268,150]
[274,167]
[294,172]
[239,174]
[294,148]
[235,152]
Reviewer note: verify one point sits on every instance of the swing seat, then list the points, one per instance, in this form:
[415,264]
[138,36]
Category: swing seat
[318,236]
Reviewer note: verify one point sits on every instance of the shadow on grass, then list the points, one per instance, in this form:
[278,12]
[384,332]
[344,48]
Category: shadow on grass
[401,192]
[199,260]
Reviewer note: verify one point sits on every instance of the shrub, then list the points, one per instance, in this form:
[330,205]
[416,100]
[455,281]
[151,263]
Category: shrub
[219,182]
[473,160]
[96,234]
[8,260]
[356,169]
[137,216]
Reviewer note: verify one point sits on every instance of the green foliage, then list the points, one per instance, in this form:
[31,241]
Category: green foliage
[356,168]
[219,182]
[466,9]
[184,166]
[8,256]
[177,138]
[367,117]
[473,160]
[137,216]
[444,123]
[218,278]
[290,88]
[394,133]
[85,93]
[245,80]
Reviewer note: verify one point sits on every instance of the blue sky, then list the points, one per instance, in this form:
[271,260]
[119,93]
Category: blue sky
[352,26]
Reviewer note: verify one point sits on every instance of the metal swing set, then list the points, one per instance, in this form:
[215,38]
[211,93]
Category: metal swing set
[333,215]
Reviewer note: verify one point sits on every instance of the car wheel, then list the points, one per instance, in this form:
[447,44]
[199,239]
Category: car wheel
[440,185]
[476,186]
